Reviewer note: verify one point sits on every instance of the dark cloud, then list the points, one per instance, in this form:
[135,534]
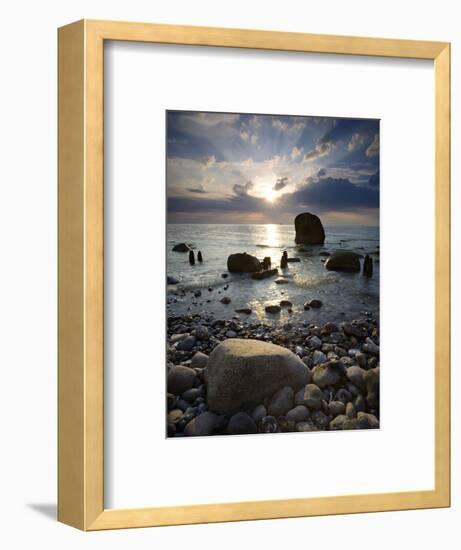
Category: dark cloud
[280,184]
[374,180]
[323,148]
[334,194]
[242,190]
[199,189]
[321,173]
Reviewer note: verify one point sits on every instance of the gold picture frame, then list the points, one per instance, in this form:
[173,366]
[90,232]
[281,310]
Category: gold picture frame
[81,268]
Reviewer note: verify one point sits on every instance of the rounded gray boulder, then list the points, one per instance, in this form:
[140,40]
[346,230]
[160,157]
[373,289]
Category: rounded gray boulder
[243,263]
[343,260]
[243,373]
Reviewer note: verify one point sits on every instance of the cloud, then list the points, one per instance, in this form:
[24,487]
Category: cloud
[242,190]
[199,189]
[323,148]
[279,124]
[328,194]
[208,161]
[374,180]
[321,173]
[295,152]
[280,184]
[212,119]
[373,148]
[356,141]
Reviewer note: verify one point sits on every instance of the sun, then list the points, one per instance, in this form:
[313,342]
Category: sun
[270,195]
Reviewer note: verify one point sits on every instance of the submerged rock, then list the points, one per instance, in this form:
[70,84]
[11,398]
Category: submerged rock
[181,247]
[245,310]
[243,373]
[264,274]
[309,229]
[343,260]
[243,263]
[272,308]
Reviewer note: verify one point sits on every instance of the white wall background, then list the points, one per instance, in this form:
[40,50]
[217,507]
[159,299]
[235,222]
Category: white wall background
[28,271]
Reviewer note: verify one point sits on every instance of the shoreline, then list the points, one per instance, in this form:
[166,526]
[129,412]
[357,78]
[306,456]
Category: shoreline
[342,362]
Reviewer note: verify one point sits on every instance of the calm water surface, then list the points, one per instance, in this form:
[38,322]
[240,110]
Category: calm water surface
[344,295]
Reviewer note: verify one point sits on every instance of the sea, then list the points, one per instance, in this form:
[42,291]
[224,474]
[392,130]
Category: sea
[345,296]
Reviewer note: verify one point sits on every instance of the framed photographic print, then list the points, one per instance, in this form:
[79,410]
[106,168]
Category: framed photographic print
[254,250]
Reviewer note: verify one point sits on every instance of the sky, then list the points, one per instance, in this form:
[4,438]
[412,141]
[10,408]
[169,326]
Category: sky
[253,168]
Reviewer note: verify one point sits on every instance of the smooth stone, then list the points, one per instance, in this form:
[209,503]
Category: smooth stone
[314,342]
[181,247]
[336,408]
[298,414]
[177,337]
[231,334]
[320,419]
[264,274]
[327,374]
[360,404]
[352,330]
[203,424]
[350,410]
[171,280]
[192,394]
[308,361]
[186,344]
[368,419]
[319,357]
[245,310]
[370,347]
[281,402]
[343,260]
[312,397]
[281,281]
[371,379]
[306,427]
[225,300]
[175,415]
[269,425]
[315,304]
[272,308]
[309,229]
[241,423]
[244,372]
[243,263]
[328,328]
[361,359]
[259,413]
[338,422]
[199,360]
[343,395]
[180,379]
[201,333]
[355,375]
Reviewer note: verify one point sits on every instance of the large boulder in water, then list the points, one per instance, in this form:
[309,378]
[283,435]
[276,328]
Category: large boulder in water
[343,260]
[242,373]
[309,229]
[181,247]
[243,263]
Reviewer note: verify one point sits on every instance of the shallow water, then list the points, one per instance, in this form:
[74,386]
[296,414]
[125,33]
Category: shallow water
[344,295]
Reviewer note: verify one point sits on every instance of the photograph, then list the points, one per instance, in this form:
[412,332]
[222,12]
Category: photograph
[272,273]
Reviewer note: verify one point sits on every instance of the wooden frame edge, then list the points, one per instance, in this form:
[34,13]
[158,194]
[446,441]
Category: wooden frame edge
[80,288]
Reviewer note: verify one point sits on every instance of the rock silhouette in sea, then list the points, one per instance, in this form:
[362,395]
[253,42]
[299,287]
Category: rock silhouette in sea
[343,260]
[243,263]
[243,373]
[284,260]
[266,263]
[191,257]
[264,274]
[181,247]
[368,266]
[199,256]
[309,229]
